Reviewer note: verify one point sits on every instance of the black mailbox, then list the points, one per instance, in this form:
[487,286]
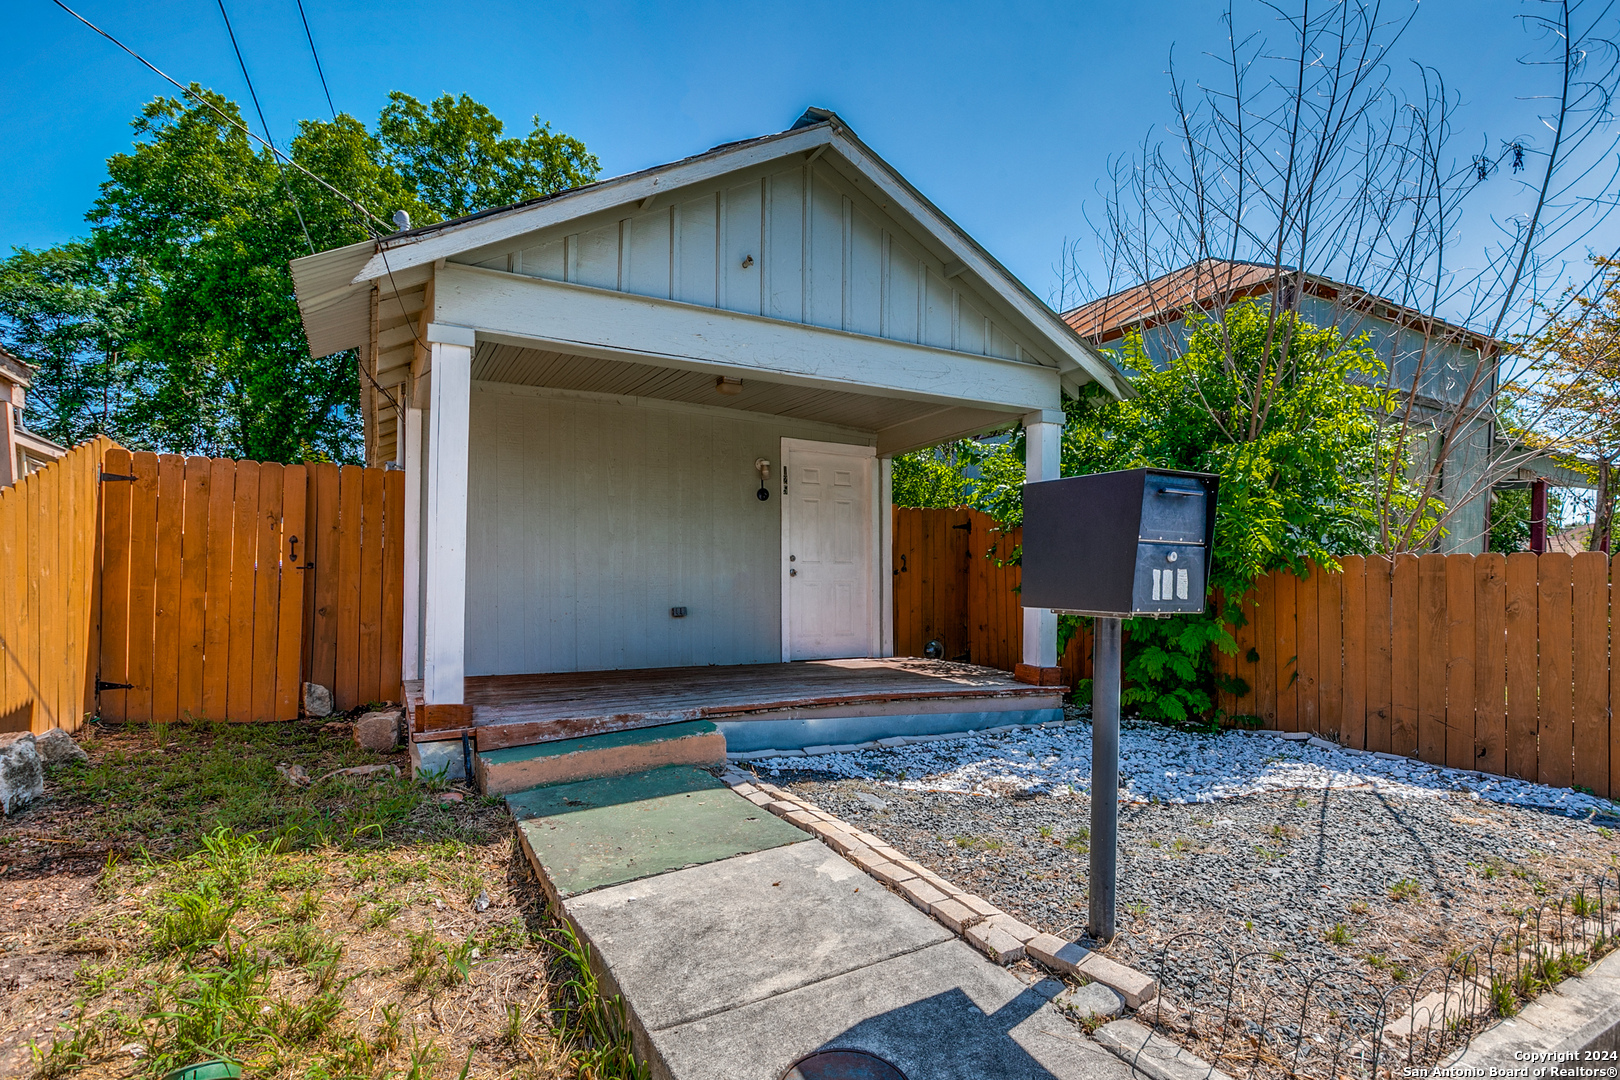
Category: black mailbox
[1119,544]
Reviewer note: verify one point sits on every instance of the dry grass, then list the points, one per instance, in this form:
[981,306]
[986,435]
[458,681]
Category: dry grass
[176,900]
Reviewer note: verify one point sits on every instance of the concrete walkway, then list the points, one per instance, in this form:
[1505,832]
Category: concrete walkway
[765,946]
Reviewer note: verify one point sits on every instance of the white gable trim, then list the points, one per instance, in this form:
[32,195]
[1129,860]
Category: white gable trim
[480,232]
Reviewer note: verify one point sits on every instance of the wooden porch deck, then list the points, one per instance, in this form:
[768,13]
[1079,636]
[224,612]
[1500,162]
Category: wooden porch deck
[520,710]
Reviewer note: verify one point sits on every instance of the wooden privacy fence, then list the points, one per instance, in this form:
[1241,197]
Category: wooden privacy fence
[48,594]
[1496,663]
[955,583]
[226,584]
[1489,662]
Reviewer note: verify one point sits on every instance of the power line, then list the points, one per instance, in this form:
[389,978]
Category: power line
[280,157]
[230,120]
[298,211]
[318,69]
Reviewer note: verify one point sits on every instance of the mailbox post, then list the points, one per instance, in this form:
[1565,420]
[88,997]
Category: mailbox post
[1116,546]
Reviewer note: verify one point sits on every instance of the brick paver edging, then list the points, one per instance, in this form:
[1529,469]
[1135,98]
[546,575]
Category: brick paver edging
[986,927]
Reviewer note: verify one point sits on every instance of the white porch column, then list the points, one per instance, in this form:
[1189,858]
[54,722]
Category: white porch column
[885,512]
[413,540]
[1041,449]
[444,595]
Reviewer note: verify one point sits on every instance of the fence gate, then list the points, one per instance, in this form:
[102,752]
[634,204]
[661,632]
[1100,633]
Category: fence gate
[956,581]
[226,584]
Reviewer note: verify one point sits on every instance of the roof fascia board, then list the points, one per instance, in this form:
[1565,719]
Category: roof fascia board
[604,196]
[587,321]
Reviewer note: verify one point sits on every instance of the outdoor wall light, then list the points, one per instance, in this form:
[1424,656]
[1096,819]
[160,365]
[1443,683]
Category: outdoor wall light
[763,467]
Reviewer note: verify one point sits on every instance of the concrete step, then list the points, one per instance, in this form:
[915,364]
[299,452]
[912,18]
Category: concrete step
[618,753]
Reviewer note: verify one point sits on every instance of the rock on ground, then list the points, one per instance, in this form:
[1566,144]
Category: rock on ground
[22,774]
[378,730]
[317,701]
[56,747]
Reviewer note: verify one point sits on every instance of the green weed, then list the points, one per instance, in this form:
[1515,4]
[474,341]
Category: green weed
[65,1056]
[207,1013]
[190,919]
[979,843]
[387,1036]
[594,1029]
[1504,1002]
[1339,934]
[303,1022]
[1404,890]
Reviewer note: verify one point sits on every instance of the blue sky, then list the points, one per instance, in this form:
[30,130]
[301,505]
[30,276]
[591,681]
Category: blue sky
[1005,115]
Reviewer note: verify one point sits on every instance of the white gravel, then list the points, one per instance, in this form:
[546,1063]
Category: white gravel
[1164,765]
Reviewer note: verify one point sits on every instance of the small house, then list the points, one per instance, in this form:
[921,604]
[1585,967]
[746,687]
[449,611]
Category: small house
[647,425]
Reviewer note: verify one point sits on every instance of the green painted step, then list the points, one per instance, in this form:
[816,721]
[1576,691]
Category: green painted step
[516,768]
[611,830]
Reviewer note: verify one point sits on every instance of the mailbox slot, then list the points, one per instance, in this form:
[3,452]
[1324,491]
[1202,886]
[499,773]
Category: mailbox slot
[1173,509]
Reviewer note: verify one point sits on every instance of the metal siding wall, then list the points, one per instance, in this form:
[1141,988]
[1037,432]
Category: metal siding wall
[589,519]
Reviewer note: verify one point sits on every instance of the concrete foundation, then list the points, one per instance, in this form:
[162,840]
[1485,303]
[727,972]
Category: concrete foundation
[446,755]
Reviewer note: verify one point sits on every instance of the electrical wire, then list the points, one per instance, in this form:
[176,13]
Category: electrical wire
[280,157]
[318,69]
[270,141]
[231,121]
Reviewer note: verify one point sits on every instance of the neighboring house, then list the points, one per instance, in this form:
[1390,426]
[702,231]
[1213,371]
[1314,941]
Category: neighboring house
[1160,309]
[21,451]
[593,394]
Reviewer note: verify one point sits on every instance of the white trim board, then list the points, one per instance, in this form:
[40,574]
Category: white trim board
[579,319]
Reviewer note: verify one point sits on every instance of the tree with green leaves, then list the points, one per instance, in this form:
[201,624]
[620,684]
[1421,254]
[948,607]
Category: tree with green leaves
[1297,485]
[1571,388]
[173,325]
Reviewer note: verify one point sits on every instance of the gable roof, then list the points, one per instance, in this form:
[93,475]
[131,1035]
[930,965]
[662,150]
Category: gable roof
[1213,283]
[333,287]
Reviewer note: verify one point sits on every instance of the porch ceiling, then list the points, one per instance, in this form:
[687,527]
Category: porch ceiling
[496,362]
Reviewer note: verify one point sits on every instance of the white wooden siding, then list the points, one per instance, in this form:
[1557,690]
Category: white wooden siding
[816,252]
[588,519]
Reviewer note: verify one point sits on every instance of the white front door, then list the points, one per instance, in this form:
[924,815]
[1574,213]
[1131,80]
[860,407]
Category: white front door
[829,550]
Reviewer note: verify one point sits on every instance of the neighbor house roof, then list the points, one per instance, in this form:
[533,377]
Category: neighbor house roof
[1213,283]
[16,370]
[333,286]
